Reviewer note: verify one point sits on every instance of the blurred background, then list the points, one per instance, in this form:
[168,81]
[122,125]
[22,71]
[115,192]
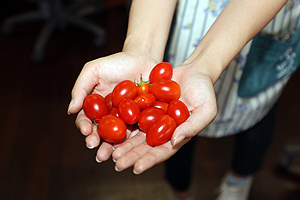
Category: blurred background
[42,154]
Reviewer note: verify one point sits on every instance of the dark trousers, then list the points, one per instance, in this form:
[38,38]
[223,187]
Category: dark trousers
[249,149]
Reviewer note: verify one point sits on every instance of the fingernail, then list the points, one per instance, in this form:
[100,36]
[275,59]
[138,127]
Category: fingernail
[90,146]
[114,160]
[113,147]
[118,170]
[178,140]
[136,173]
[70,106]
[97,160]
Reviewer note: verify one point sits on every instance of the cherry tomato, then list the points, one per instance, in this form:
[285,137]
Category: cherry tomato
[129,111]
[95,107]
[114,111]
[178,111]
[162,71]
[145,100]
[162,105]
[109,101]
[124,89]
[160,131]
[148,116]
[143,86]
[166,90]
[111,128]
[143,89]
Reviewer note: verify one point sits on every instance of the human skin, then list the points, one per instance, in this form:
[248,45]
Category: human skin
[147,34]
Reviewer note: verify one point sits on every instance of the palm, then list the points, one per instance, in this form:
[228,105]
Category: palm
[105,73]
[198,94]
[100,76]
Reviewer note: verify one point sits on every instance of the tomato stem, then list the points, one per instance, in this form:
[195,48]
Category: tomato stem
[142,82]
[95,122]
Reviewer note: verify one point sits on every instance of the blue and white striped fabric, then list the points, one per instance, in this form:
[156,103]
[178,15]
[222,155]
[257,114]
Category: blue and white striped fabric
[235,113]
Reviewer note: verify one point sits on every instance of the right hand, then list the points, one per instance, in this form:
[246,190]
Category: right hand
[100,76]
[198,94]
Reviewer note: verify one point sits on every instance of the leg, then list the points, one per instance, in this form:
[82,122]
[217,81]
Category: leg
[251,145]
[249,150]
[179,168]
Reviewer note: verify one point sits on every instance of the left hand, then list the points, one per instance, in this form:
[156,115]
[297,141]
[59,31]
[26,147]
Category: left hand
[197,93]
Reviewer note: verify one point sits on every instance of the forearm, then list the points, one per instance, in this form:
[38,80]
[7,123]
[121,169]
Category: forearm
[148,27]
[239,22]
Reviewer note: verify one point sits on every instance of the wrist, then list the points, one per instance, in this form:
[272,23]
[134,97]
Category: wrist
[207,64]
[148,27]
[144,46]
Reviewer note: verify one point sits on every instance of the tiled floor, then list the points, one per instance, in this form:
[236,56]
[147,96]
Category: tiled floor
[43,156]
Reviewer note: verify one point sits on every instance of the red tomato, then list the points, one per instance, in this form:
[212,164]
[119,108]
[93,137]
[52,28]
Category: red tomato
[148,116]
[143,86]
[162,71]
[161,131]
[143,89]
[178,111]
[166,90]
[162,105]
[95,107]
[114,111]
[145,100]
[111,128]
[109,101]
[124,89]
[129,111]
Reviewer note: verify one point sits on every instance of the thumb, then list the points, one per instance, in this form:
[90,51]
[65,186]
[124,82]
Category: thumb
[199,119]
[84,84]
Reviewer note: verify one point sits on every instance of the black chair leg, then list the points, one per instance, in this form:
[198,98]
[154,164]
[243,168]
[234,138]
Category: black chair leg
[10,22]
[287,155]
[42,41]
[57,16]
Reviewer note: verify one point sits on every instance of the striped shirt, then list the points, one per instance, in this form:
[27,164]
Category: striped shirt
[235,113]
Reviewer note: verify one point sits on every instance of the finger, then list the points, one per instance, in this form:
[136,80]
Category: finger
[104,152]
[93,140]
[130,132]
[106,149]
[84,124]
[156,155]
[84,84]
[129,144]
[131,157]
[200,118]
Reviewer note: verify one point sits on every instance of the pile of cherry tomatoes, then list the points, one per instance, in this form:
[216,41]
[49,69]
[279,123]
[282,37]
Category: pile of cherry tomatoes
[152,105]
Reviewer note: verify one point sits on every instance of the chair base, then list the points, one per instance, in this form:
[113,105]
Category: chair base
[57,16]
[287,155]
